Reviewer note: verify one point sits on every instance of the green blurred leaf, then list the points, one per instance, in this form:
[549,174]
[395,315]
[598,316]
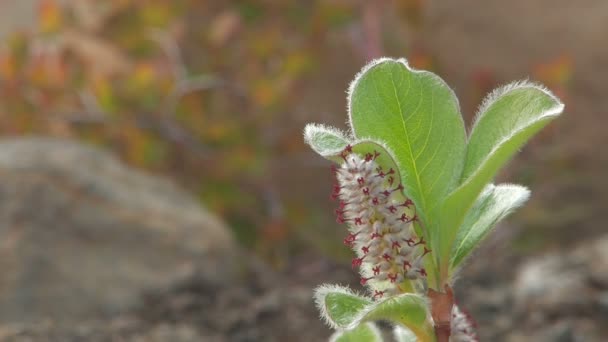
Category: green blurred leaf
[492,205]
[367,332]
[506,120]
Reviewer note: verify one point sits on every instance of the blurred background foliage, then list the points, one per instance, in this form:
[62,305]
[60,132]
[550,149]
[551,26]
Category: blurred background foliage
[215,95]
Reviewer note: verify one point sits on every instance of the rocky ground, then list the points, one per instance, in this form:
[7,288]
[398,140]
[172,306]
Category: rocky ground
[95,251]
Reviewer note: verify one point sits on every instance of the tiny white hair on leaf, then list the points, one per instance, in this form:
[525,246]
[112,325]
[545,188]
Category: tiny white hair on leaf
[371,326]
[497,93]
[404,62]
[319,295]
[314,131]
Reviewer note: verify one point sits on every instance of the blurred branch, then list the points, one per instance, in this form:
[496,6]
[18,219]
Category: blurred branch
[371,11]
[187,86]
[171,49]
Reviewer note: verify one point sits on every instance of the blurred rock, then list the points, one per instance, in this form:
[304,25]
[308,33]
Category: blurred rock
[82,235]
[564,284]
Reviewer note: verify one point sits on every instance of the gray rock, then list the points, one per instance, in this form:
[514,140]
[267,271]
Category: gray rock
[82,235]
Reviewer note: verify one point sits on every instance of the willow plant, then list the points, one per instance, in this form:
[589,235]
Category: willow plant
[416,194]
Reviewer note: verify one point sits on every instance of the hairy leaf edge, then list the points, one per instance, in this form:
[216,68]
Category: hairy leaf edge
[313,129]
[497,93]
[522,198]
[322,291]
[404,62]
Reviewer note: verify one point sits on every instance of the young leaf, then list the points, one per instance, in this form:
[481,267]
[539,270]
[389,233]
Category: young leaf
[492,205]
[339,306]
[409,310]
[367,332]
[507,118]
[417,116]
[326,141]
[403,334]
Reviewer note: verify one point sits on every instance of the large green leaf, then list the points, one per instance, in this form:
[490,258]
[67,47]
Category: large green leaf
[492,205]
[326,141]
[367,332]
[339,306]
[409,310]
[417,116]
[508,118]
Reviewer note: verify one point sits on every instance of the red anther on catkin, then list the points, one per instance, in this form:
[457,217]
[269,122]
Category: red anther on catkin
[363,281]
[350,240]
[384,238]
[357,262]
[378,294]
[392,277]
[422,272]
[407,203]
[420,242]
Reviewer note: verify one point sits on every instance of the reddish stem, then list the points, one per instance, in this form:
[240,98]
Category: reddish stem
[441,311]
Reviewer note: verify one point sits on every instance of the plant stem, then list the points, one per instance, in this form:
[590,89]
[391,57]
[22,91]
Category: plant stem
[441,311]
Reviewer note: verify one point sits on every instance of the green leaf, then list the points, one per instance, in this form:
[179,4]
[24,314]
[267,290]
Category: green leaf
[492,205]
[339,306]
[415,114]
[326,141]
[403,334]
[367,332]
[507,119]
[409,310]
